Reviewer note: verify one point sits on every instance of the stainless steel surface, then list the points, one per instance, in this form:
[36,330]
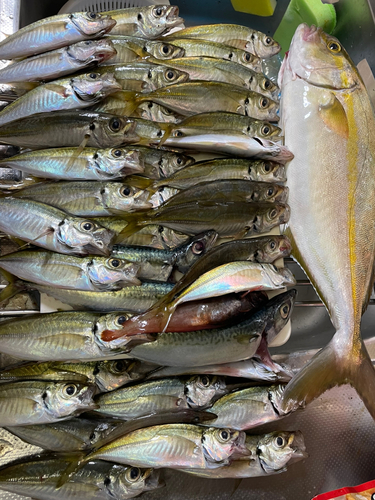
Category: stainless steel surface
[339,433]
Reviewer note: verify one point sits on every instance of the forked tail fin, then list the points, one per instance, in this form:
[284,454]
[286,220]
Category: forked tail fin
[335,364]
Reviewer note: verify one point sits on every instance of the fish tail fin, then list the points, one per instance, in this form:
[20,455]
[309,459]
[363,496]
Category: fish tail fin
[135,222]
[14,286]
[334,365]
[167,127]
[141,182]
[75,462]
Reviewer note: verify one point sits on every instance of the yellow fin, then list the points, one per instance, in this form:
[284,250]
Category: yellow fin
[333,115]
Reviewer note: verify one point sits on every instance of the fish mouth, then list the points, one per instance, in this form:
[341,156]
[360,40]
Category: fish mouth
[172,15]
[297,444]
[285,247]
[309,33]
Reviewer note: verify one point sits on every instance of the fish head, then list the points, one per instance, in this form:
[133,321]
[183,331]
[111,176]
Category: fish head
[202,391]
[116,130]
[269,192]
[68,399]
[263,45]
[320,59]
[112,321]
[261,107]
[156,112]
[117,162]
[265,86]
[92,23]
[262,129]
[164,50]
[221,444]
[278,449]
[104,273]
[272,216]
[170,238]
[127,481]
[113,374]
[273,248]
[94,86]
[267,171]
[249,60]
[123,197]
[155,20]
[170,76]
[84,236]
[90,51]
[279,311]
[173,162]
[190,252]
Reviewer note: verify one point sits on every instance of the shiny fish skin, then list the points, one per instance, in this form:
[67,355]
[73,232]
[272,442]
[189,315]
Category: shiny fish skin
[197,47]
[72,164]
[134,299]
[175,446]
[235,35]
[61,95]
[75,434]
[219,345]
[69,129]
[148,22]
[161,396]
[57,63]
[88,198]
[195,217]
[9,92]
[159,163]
[34,402]
[53,229]
[158,264]
[61,336]
[96,481]
[222,70]
[54,32]
[210,170]
[270,454]
[130,49]
[248,408]
[106,375]
[157,113]
[144,76]
[70,272]
[199,97]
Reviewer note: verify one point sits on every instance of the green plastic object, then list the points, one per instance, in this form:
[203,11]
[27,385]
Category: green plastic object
[304,11]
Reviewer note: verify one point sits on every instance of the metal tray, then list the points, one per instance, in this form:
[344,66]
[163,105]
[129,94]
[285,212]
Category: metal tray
[338,431]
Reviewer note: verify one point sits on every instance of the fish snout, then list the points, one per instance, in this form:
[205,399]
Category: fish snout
[284,215]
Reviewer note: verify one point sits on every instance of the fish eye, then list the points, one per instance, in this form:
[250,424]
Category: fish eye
[133,474]
[268,40]
[119,366]
[150,105]
[87,226]
[179,161]
[266,129]
[92,15]
[225,435]
[114,124]
[114,262]
[267,167]
[165,49]
[334,47]
[120,320]
[279,441]
[266,84]
[170,75]
[270,191]
[178,133]
[139,17]
[263,102]
[158,11]
[198,247]
[70,390]
[88,42]
[284,311]
[247,57]
[93,76]
[273,213]
[125,191]
[205,381]
[247,101]
[251,79]
[272,244]
[117,153]
[92,436]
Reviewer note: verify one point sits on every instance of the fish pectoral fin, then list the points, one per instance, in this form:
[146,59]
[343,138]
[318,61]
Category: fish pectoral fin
[15,285]
[55,87]
[333,114]
[333,366]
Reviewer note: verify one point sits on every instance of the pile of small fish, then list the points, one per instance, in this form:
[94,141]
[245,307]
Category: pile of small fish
[166,350]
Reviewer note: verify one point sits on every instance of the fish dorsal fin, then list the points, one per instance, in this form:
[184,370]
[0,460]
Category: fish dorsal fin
[333,114]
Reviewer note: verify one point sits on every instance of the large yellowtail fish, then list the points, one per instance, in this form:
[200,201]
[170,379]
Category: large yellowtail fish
[330,127]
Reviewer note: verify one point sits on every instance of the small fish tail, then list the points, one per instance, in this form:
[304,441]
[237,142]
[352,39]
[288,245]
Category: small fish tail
[76,462]
[168,128]
[14,286]
[135,222]
[335,364]
[141,182]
